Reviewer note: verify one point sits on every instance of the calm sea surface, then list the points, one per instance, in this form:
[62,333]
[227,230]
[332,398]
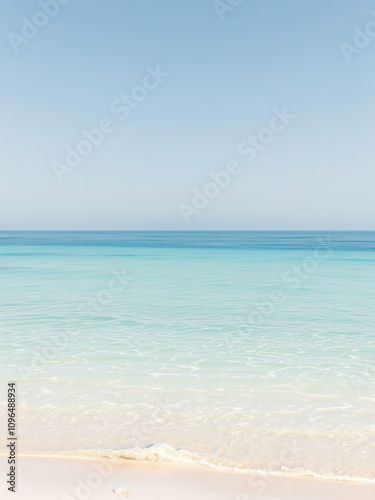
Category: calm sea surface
[250,350]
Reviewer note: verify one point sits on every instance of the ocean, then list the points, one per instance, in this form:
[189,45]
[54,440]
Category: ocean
[235,350]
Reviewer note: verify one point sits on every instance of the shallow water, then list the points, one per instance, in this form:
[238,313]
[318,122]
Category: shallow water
[247,350]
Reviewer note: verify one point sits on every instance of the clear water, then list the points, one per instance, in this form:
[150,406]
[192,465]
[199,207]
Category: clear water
[247,350]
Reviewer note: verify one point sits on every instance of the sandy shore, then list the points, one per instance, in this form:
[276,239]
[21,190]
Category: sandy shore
[76,479]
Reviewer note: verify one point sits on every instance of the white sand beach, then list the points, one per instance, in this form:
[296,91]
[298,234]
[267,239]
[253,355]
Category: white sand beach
[50,478]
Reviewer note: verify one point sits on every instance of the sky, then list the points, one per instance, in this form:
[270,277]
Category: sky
[187,115]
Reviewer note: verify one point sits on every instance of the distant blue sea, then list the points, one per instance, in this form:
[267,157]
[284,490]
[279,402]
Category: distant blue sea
[249,350]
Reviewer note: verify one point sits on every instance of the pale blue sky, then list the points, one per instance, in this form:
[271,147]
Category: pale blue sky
[225,78]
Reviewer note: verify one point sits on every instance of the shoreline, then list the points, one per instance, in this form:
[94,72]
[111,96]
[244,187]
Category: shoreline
[165,454]
[68,478]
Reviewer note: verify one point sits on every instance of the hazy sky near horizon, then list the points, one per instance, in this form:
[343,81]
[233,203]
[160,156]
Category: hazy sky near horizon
[225,79]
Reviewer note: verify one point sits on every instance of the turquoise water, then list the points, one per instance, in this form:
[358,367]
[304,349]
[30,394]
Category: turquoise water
[247,350]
